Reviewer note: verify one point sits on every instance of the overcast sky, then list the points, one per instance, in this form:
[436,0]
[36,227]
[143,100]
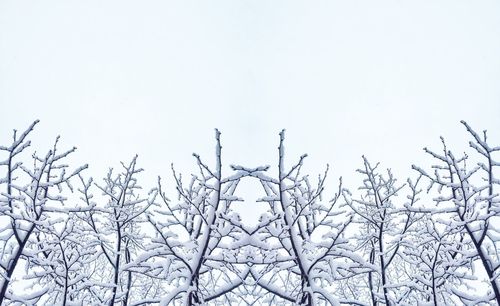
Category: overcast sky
[345,78]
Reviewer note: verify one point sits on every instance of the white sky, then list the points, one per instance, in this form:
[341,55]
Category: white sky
[345,78]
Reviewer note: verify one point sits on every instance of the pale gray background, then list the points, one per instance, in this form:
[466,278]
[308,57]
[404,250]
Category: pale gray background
[345,78]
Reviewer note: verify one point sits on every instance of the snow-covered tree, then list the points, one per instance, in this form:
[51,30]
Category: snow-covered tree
[32,191]
[114,221]
[61,260]
[383,224]
[467,191]
[305,240]
[193,237]
[437,257]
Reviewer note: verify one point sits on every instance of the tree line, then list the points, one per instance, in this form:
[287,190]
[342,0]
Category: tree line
[69,239]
